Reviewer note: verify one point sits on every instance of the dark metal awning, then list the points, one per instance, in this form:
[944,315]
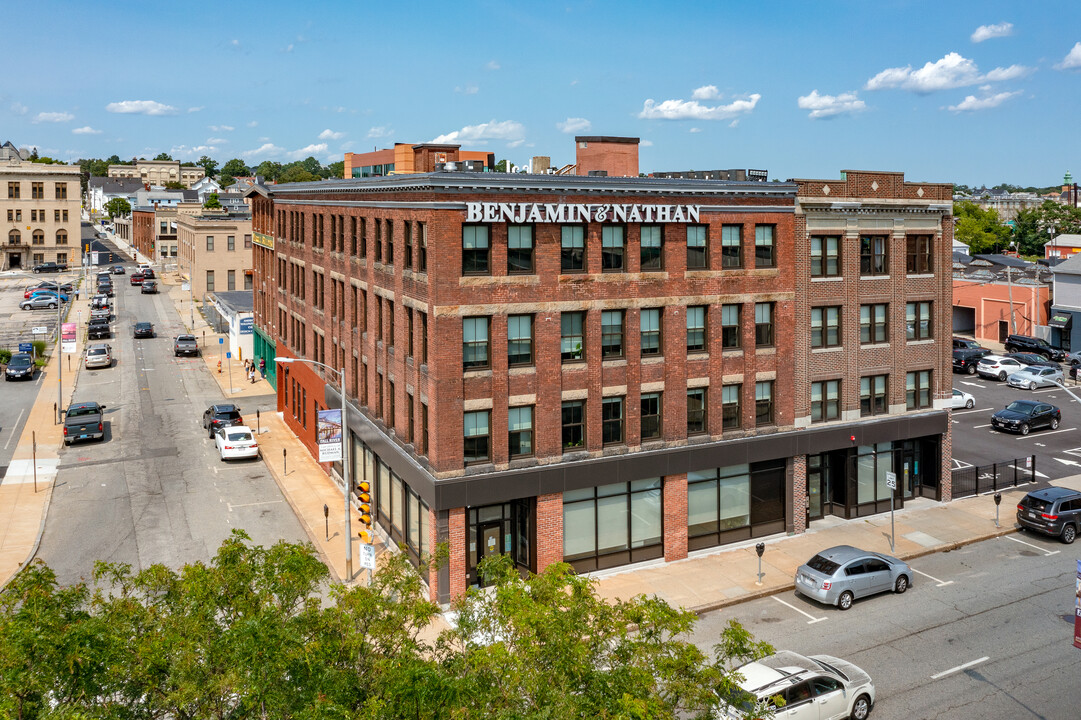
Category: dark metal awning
[1060,320]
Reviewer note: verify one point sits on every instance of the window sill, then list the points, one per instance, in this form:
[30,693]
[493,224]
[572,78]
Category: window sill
[875,277]
[832,348]
[652,359]
[920,275]
[827,278]
[697,355]
[614,362]
[925,341]
[769,350]
[485,372]
[873,346]
[522,370]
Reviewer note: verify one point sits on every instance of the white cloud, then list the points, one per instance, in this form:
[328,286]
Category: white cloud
[492,65]
[53,117]
[508,130]
[216,141]
[221,128]
[380,132]
[266,150]
[196,109]
[141,107]
[1072,61]
[319,149]
[823,106]
[706,92]
[574,125]
[693,110]
[987,32]
[467,90]
[329,134]
[87,130]
[234,42]
[183,151]
[19,109]
[973,103]
[695,130]
[645,143]
[952,71]
[253,123]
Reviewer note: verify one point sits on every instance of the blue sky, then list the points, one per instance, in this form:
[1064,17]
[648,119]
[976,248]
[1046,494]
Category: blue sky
[971,93]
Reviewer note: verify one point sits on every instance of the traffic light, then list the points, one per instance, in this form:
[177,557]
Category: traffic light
[364,504]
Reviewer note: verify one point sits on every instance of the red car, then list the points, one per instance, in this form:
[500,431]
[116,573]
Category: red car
[136,278]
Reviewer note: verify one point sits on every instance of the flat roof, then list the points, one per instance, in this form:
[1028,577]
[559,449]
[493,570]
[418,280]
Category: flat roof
[607,139]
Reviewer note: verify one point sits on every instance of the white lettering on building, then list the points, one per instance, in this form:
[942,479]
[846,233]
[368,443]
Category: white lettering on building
[518,213]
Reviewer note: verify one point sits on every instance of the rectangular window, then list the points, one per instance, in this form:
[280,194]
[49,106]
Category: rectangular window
[572,254]
[520,250]
[390,324]
[230,280]
[612,250]
[697,247]
[873,395]
[874,324]
[918,321]
[37,191]
[612,420]
[422,248]
[378,223]
[390,242]
[474,343]
[519,340]
[651,416]
[477,437]
[230,242]
[918,389]
[410,416]
[765,253]
[210,243]
[475,250]
[873,255]
[763,324]
[652,254]
[732,246]
[210,281]
[573,424]
[825,327]
[763,403]
[696,329]
[61,191]
[731,416]
[248,281]
[424,340]
[612,334]
[409,334]
[13,191]
[247,242]
[520,429]
[696,411]
[825,256]
[825,400]
[407,230]
[572,336]
[918,255]
[731,332]
[424,426]
[650,324]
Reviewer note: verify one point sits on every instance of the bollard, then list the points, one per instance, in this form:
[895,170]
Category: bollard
[285,466]
[326,519]
[56,414]
[998,501]
[258,426]
[760,548]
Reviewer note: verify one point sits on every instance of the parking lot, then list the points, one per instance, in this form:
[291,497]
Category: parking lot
[1058,452]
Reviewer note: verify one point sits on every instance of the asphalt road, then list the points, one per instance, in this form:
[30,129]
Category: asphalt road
[1058,452]
[155,490]
[985,632]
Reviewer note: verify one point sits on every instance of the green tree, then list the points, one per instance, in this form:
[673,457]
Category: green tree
[231,170]
[163,156]
[336,169]
[209,165]
[313,166]
[1028,235]
[174,185]
[114,160]
[1058,219]
[500,166]
[268,170]
[296,172]
[212,201]
[980,229]
[118,206]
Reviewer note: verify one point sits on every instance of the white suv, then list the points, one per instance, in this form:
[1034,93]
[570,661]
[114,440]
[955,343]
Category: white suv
[997,366]
[816,686]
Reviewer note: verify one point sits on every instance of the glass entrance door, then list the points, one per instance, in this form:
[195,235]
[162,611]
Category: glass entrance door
[490,536]
[816,478]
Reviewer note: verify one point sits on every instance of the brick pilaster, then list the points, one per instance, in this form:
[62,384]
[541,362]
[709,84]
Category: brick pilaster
[459,572]
[800,499]
[549,530]
[675,517]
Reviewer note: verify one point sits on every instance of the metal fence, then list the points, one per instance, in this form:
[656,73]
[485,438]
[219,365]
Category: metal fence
[992,478]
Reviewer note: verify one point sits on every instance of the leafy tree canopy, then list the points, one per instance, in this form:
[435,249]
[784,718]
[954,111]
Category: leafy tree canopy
[209,165]
[174,185]
[233,169]
[212,201]
[336,169]
[163,156]
[296,172]
[980,229]
[118,206]
[268,170]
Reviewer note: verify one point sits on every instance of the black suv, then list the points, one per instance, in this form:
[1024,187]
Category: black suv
[1053,511]
[1024,343]
[1024,415]
[965,359]
[219,416]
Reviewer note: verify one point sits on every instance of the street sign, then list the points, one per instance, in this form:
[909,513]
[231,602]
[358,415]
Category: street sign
[221,341]
[891,480]
[39,330]
[367,556]
[26,347]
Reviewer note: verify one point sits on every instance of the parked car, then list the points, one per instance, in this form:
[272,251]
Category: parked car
[841,574]
[148,273]
[101,312]
[49,285]
[50,293]
[99,300]
[1052,511]
[106,289]
[235,442]
[997,366]
[149,287]
[143,330]
[98,355]
[39,302]
[50,267]
[812,686]
[118,270]
[20,367]
[1032,359]
[1035,376]
[97,329]
[218,416]
[1026,343]
[960,343]
[83,421]
[137,278]
[1024,415]
[962,399]
[965,361]
[185,345]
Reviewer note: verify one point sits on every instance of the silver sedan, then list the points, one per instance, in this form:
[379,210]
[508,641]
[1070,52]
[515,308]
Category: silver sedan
[843,573]
[1035,376]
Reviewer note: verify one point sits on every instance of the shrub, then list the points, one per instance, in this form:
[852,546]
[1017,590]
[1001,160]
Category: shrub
[5,356]
[39,348]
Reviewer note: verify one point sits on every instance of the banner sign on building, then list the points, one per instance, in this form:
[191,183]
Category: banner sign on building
[1077,610]
[485,212]
[67,337]
[263,240]
[246,325]
[328,435]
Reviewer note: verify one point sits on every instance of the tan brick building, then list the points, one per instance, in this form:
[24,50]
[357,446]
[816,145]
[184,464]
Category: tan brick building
[40,211]
[159,172]
[215,251]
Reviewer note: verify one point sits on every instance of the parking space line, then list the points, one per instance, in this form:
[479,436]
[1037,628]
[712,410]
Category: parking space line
[1037,547]
[959,668]
[973,384]
[1044,434]
[969,412]
[941,583]
[1074,451]
[961,464]
[15,425]
[977,427]
[813,619]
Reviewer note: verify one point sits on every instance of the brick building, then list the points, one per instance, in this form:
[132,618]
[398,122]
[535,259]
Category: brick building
[40,208]
[406,158]
[605,370]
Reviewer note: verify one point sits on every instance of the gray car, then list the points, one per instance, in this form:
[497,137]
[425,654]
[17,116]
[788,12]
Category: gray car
[99,355]
[841,574]
[1034,377]
[39,302]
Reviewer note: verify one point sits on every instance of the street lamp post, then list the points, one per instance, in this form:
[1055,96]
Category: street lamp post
[345,458]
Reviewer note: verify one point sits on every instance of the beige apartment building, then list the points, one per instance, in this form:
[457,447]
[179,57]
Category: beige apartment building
[159,172]
[39,206]
[215,251]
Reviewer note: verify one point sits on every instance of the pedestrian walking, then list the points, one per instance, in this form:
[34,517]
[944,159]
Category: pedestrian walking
[262,367]
[251,373]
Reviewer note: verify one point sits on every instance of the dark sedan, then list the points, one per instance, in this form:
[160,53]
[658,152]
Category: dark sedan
[219,416]
[149,287]
[118,270]
[1031,359]
[20,367]
[143,330]
[1023,415]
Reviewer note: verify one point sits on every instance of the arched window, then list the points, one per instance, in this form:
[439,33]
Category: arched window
[61,237]
[14,238]
[39,237]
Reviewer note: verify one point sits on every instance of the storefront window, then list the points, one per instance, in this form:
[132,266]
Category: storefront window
[612,519]
[872,464]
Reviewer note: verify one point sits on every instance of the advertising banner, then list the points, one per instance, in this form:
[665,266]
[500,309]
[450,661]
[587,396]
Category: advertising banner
[328,434]
[67,337]
[1077,610]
